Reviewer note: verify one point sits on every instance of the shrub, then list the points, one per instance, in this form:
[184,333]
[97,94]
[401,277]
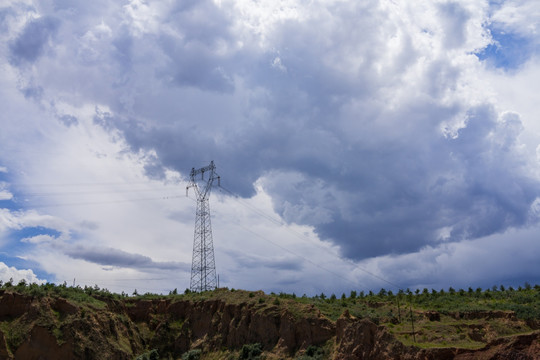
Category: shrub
[312,353]
[250,352]
[150,355]
[194,354]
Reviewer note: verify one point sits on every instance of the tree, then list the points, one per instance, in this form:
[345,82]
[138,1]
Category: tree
[478,290]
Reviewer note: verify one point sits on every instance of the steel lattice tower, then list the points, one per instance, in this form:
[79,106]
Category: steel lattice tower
[203,265]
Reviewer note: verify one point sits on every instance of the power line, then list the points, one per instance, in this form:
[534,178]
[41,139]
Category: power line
[298,255]
[302,237]
[236,197]
[67,193]
[83,203]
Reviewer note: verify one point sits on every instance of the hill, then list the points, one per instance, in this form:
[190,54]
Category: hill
[60,322]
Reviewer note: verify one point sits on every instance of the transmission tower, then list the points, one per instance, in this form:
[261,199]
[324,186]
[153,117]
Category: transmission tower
[203,265]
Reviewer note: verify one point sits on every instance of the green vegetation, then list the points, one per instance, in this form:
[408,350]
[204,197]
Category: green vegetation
[152,355]
[250,352]
[194,354]
[313,353]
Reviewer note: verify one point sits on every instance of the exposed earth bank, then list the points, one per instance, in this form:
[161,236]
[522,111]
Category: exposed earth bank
[33,327]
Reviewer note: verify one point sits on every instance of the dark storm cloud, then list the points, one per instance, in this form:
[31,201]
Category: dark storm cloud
[194,60]
[405,194]
[371,178]
[119,258]
[32,41]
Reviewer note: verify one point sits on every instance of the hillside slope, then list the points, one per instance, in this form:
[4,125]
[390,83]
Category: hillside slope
[69,323]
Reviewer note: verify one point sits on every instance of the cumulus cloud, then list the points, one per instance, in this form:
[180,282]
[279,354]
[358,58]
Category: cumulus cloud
[16,220]
[9,272]
[370,122]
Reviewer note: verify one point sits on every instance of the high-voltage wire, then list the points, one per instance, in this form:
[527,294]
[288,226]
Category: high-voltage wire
[302,237]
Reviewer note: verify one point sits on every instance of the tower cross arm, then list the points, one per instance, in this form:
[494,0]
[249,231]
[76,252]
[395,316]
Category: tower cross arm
[205,191]
[195,172]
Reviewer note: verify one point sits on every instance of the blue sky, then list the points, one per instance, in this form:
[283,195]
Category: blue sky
[367,144]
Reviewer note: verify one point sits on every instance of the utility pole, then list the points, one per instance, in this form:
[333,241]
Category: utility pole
[203,265]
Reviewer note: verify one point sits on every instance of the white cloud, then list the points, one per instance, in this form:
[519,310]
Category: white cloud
[9,272]
[38,239]
[520,16]
[16,220]
[5,195]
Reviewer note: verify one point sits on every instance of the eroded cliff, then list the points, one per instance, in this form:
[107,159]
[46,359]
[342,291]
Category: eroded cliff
[52,327]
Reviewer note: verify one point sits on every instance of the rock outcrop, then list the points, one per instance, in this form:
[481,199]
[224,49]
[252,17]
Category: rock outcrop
[217,324]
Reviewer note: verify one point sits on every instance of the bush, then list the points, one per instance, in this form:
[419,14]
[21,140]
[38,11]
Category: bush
[312,353]
[150,355]
[194,354]
[250,352]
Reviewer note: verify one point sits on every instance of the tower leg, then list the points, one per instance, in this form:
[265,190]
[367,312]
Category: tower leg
[203,266]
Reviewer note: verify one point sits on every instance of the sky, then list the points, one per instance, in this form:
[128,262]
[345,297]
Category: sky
[360,144]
